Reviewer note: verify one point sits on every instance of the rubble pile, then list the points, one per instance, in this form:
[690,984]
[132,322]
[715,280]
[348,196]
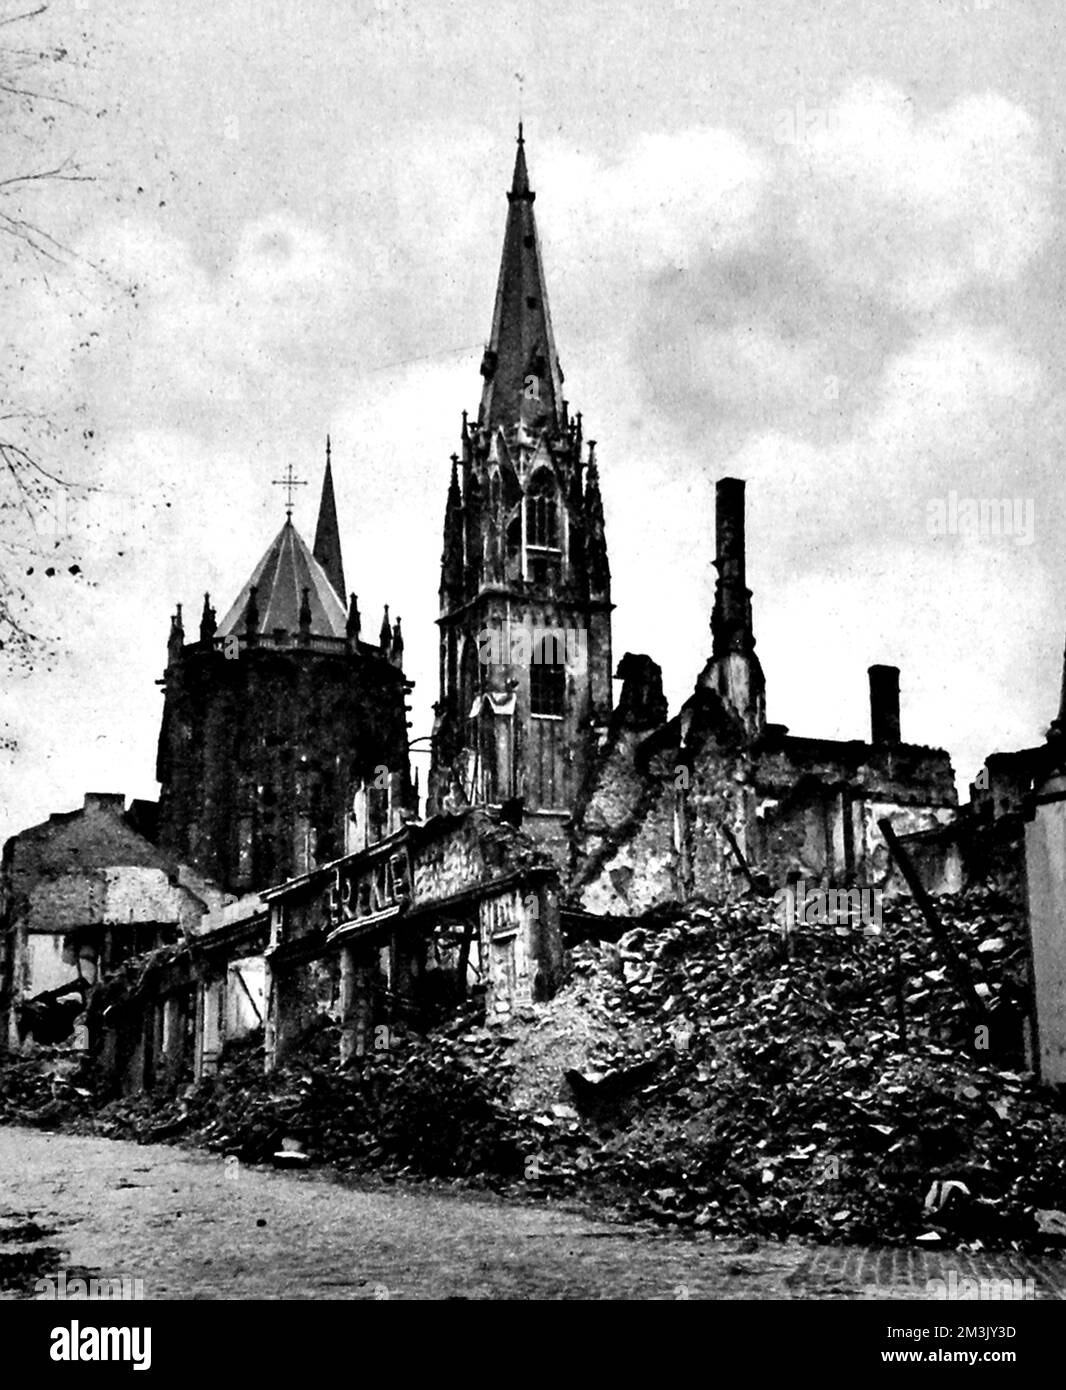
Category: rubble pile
[708,1071]
[46,1089]
[831,1083]
[428,1109]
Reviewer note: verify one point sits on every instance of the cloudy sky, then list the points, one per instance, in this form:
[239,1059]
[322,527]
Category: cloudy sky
[815,245]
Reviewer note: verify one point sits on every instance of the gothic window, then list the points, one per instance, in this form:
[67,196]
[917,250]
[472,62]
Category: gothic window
[244,848]
[495,492]
[377,811]
[450,662]
[471,676]
[544,569]
[542,513]
[547,679]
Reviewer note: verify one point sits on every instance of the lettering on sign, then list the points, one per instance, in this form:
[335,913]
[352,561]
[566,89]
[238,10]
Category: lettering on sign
[363,892]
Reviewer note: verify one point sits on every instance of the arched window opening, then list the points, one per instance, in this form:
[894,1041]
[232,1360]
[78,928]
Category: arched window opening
[514,546]
[543,543]
[471,676]
[547,678]
[542,513]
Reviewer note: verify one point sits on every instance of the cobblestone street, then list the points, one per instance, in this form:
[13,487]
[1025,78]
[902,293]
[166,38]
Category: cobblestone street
[190,1228]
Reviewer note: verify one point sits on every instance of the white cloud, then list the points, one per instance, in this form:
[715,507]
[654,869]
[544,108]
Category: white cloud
[945,413]
[668,201]
[230,368]
[917,208]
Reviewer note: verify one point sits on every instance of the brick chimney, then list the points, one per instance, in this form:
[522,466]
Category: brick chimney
[731,621]
[884,704]
[734,670]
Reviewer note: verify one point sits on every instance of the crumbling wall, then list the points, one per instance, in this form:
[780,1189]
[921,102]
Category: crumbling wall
[906,820]
[507,925]
[720,799]
[670,845]
[652,828]
[82,891]
[447,864]
[671,813]
[621,798]
[302,994]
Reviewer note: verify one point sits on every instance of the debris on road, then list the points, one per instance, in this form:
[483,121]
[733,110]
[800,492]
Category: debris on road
[704,1072]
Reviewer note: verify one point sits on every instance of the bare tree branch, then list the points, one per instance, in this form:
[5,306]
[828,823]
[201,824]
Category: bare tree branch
[30,490]
[26,14]
[59,173]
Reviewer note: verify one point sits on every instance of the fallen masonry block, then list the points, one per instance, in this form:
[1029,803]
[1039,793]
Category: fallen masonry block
[291,1158]
[592,1095]
[291,1154]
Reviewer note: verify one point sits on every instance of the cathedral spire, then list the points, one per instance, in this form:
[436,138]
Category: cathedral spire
[327,547]
[520,178]
[523,379]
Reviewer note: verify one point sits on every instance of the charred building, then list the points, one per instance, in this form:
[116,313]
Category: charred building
[717,800]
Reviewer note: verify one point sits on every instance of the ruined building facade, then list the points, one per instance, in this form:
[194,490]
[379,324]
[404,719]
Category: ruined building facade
[525,588]
[284,734]
[284,781]
[638,809]
[716,800]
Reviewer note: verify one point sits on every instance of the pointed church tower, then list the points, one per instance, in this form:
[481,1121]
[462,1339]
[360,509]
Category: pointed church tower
[525,601]
[327,550]
[278,720]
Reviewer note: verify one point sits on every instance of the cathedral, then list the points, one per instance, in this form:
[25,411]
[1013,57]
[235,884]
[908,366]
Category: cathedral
[525,587]
[279,719]
[287,820]
[284,733]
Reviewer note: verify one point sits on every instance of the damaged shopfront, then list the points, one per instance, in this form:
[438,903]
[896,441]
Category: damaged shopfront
[395,937]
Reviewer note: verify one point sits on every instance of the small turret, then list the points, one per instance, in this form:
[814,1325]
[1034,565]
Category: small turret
[251,613]
[452,556]
[305,616]
[599,570]
[385,635]
[176,640]
[208,624]
[396,648]
[355,622]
